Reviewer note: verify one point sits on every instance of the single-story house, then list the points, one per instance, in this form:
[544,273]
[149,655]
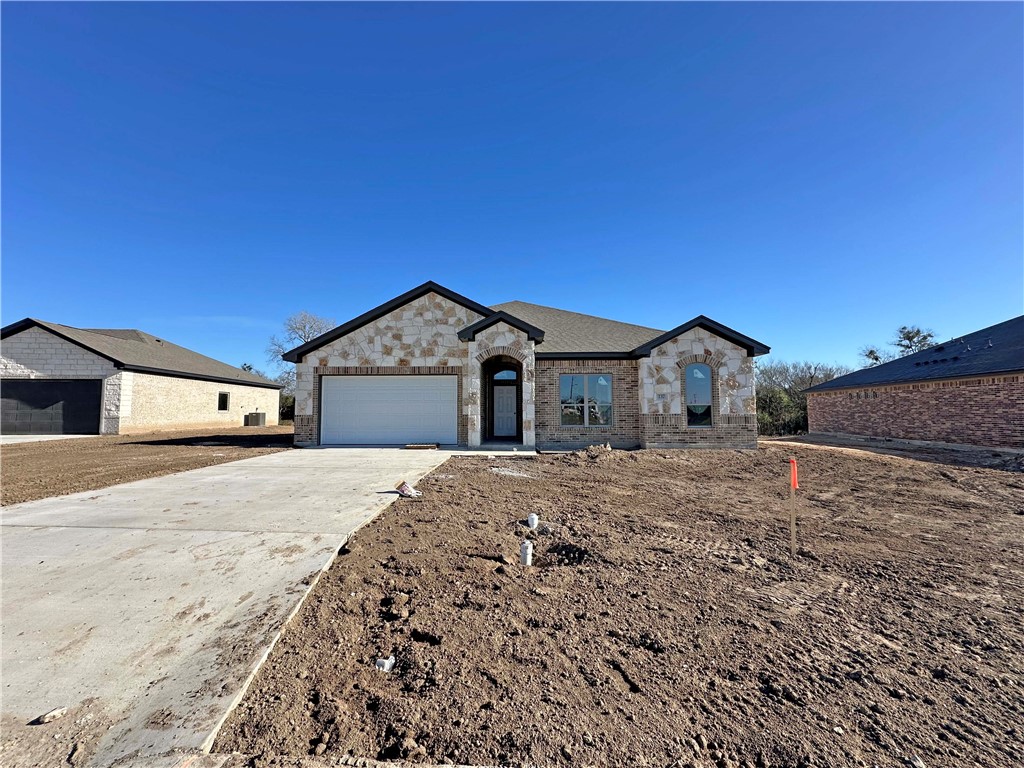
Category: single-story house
[55,379]
[968,391]
[431,366]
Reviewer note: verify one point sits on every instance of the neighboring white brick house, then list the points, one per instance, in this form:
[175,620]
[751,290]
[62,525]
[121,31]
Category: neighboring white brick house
[56,378]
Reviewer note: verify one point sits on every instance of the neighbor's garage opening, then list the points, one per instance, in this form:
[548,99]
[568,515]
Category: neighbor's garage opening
[51,407]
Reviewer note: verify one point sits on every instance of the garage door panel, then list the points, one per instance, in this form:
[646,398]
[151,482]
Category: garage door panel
[50,407]
[368,410]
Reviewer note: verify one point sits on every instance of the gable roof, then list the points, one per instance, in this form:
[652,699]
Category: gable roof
[993,350]
[133,350]
[565,334]
[294,355]
[752,347]
[573,333]
[532,332]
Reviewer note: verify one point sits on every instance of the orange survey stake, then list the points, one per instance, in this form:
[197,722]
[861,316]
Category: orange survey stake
[792,474]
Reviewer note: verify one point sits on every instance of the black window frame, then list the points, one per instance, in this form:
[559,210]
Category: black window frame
[223,401]
[585,405]
[710,419]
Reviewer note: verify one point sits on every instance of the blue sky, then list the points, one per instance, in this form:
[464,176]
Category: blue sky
[812,175]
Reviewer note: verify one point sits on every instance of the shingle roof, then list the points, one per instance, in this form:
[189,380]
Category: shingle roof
[563,334]
[996,349]
[566,331]
[134,350]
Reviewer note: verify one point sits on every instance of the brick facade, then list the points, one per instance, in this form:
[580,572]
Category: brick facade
[624,431]
[422,337]
[985,411]
[727,431]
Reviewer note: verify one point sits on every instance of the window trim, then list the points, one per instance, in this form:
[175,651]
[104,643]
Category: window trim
[227,401]
[585,405]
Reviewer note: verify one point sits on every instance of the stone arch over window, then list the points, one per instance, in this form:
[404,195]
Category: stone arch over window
[713,362]
[516,354]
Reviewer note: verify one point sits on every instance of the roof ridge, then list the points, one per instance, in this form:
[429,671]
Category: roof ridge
[574,312]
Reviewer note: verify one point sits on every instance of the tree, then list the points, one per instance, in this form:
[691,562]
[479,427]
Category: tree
[248,368]
[298,329]
[909,339]
[781,402]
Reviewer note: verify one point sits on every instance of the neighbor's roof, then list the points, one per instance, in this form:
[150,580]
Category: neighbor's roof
[132,350]
[996,349]
[566,331]
[563,334]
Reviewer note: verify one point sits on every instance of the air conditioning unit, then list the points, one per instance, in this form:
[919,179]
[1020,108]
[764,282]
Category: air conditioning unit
[256,419]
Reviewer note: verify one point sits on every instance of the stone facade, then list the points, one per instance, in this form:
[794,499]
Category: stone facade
[421,337]
[986,411]
[502,340]
[132,402]
[663,374]
[663,393]
[418,338]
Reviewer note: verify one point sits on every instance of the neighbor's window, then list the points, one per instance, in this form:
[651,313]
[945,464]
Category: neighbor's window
[222,401]
[698,395]
[586,400]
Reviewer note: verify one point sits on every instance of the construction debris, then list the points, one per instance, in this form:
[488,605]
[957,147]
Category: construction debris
[53,714]
[406,490]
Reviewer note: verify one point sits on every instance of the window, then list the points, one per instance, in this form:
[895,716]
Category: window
[586,400]
[508,375]
[222,401]
[698,395]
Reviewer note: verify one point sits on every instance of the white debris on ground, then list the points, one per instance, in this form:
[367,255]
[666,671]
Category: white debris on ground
[509,472]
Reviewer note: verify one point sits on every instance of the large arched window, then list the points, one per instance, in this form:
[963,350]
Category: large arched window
[698,395]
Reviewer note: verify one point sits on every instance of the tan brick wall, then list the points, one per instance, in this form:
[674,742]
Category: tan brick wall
[624,431]
[986,411]
[169,402]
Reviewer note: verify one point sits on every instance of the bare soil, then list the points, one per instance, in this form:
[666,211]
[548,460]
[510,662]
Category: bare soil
[31,471]
[664,622]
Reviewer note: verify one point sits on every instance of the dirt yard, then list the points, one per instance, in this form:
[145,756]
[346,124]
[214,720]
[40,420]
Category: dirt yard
[38,470]
[664,623]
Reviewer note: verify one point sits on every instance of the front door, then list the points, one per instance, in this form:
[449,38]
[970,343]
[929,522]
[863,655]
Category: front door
[505,416]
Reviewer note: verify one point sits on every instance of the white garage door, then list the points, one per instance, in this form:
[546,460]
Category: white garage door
[388,410]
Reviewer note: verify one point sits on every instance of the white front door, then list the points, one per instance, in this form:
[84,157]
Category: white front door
[388,410]
[505,411]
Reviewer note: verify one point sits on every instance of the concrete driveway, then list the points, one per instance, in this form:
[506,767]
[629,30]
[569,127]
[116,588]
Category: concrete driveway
[145,608]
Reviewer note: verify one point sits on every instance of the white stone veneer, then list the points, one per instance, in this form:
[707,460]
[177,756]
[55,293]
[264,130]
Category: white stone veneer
[662,380]
[424,333]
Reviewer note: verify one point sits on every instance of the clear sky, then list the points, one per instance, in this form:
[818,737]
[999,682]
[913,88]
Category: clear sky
[811,175]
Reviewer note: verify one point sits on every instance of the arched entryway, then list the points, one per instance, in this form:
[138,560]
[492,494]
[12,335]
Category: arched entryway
[502,399]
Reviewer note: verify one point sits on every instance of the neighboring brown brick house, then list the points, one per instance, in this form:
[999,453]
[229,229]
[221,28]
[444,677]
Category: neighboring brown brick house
[432,366]
[969,390]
